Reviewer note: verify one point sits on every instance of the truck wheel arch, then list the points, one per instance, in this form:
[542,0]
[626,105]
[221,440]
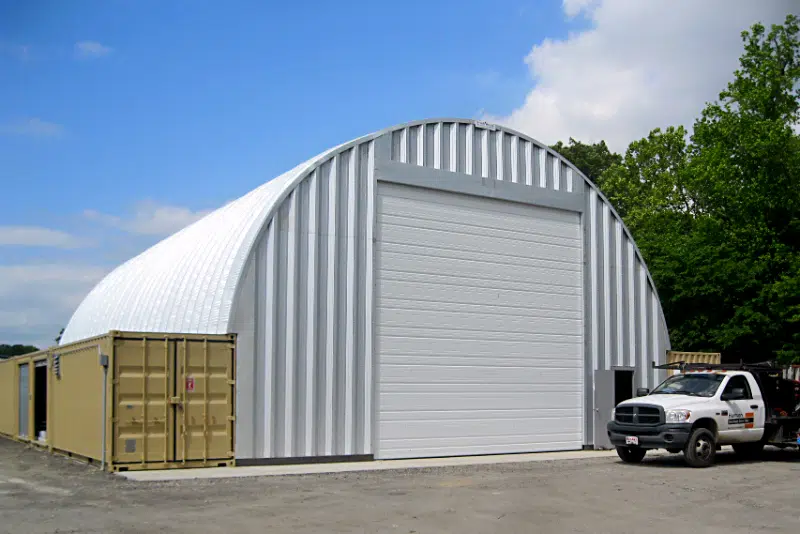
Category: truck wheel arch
[707,423]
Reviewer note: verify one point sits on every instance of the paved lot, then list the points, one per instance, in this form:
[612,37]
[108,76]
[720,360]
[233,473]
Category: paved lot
[41,493]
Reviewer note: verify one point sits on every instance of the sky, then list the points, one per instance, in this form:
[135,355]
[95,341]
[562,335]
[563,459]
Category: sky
[122,121]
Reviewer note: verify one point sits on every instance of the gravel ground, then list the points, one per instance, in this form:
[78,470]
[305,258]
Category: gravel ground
[42,493]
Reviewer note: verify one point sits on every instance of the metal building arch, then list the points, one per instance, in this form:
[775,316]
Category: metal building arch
[282,267]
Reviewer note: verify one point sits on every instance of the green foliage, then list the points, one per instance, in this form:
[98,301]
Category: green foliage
[591,160]
[717,215]
[8,351]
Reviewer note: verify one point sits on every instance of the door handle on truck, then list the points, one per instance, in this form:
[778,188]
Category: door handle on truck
[754,406]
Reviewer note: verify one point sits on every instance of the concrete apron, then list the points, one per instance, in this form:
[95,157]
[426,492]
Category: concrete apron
[343,467]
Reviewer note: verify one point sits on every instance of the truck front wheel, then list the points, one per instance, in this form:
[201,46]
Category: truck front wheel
[701,449]
[631,455]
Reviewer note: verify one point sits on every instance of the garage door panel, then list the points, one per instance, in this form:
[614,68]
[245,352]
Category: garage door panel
[477,424]
[460,303]
[423,335]
[474,211]
[547,259]
[449,234]
[473,358]
[477,374]
[452,283]
[477,446]
[404,343]
[449,243]
[397,406]
[479,325]
[470,319]
[472,273]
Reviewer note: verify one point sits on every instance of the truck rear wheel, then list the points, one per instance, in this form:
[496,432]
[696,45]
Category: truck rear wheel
[701,449]
[631,455]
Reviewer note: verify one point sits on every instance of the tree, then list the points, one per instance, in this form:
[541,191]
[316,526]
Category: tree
[591,160]
[717,217]
[746,163]
[8,351]
[652,178]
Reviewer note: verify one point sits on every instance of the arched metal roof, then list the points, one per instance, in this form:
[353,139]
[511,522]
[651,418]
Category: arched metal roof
[187,283]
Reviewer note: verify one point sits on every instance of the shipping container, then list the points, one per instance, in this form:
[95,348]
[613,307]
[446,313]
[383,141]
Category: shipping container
[693,357]
[126,400]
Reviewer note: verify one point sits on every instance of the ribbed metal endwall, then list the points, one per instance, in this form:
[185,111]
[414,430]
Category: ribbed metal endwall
[484,152]
[303,312]
[311,331]
[626,325]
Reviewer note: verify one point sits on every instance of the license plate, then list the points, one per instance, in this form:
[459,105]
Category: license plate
[631,440]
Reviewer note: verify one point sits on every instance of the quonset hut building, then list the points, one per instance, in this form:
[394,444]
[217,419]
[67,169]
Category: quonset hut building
[443,287]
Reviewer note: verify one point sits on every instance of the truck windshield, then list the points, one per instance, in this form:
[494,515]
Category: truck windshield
[695,384]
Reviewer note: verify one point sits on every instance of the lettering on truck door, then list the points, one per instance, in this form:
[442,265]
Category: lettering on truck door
[742,411]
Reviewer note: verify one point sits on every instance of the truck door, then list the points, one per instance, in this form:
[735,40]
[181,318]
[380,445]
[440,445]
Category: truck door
[745,418]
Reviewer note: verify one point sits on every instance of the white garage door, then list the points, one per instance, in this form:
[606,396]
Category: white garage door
[479,325]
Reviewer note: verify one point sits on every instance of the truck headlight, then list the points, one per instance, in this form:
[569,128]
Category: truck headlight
[678,416]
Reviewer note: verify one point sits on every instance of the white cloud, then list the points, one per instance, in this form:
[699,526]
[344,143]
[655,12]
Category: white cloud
[32,127]
[150,218]
[36,301]
[573,8]
[91,50]
[35,236]
[640,65]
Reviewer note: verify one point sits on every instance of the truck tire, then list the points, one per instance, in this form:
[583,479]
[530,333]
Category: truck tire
[631,455]
[701,449]
[749,450]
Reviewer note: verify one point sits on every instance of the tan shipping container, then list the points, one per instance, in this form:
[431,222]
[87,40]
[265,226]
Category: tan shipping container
[693,357]
[126,400]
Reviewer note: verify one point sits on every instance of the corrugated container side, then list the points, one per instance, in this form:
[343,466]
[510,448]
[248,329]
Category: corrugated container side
[76,399]
[693,357]
[8,397]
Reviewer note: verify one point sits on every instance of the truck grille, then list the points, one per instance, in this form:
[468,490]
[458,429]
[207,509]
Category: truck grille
[638,415]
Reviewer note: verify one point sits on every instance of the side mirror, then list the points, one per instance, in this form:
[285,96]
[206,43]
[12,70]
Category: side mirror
[642,392]
[735,394]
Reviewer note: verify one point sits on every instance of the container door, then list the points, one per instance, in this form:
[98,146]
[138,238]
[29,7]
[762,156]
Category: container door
[23,400]
[144,400]
[205,414]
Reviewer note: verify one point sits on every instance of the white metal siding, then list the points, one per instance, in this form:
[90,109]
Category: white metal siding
[479,325]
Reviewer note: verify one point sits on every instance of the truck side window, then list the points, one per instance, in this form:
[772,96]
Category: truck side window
[738,382]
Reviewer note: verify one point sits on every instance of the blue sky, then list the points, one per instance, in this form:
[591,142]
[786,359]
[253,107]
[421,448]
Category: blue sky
[121,120]
[192,103]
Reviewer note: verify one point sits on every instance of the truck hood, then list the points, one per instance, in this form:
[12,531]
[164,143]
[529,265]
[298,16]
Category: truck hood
[669,402]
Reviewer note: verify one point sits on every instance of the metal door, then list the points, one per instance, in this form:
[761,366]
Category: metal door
[205,414]
[144,413]
[24,399]
[603,406]
[464,299]
[173,400]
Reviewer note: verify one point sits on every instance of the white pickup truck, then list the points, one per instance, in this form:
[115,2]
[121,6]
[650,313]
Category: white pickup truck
[708,406]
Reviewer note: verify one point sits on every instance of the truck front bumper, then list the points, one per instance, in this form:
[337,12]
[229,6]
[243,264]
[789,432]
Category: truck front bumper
[666,436]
